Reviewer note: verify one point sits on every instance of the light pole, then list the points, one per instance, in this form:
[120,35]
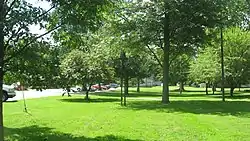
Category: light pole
[122,56]
[222,64]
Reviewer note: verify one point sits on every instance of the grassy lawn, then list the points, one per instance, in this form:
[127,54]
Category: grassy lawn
[190,116]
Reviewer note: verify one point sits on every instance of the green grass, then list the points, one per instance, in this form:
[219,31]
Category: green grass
[190,116]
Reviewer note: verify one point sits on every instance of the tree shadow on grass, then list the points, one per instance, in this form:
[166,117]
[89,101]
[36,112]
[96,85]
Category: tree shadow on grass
[131,94]
[11,101]
[238,97]
[83,100]
[235,108]
[154,94]
[36,133]
[200,91]
[193,95]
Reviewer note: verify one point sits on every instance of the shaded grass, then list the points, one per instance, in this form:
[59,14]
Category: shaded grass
[233,108]
[36,133]
[83,100]
[189,92]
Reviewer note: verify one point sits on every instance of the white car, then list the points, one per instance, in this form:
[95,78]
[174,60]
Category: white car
[8,92]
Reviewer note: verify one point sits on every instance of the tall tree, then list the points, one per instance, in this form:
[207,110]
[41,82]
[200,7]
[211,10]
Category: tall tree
[2,48]
[237,49]
[173,26]
[15,18]
[17,15]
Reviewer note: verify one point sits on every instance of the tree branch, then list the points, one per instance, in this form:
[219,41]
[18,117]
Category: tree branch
[155,56]
[39,16]
[11,37]
[25,47]
[9,8]
[172,59]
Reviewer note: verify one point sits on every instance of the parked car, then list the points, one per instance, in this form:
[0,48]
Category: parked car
[18,87]
[113,85]
[97,87]
[8,92]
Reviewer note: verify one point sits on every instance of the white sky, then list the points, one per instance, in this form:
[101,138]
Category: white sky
[46,6]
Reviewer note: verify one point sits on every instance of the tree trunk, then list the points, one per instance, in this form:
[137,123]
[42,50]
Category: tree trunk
[121,90]
[181,87]
[87,92]
[84,88]
[206,88]
[214,88]
[222,64]
[2,48]
[138,85]
[99,85]
[1,102]
[239,87]
[125,89]
[232,91]
[165,95]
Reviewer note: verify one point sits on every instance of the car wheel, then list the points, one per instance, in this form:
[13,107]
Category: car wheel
[5,97]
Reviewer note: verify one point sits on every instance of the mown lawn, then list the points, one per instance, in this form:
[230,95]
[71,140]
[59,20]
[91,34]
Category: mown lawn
[190,116]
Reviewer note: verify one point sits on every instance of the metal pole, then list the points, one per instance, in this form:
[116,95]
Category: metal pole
[122,68]
[24,101]
[222,65]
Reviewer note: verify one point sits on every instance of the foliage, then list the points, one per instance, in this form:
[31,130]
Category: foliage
[206,67]
[36,67]
[79,67]
[179,69]
[137,66]
[17,35]
[237,52]
[237,48]
[77,21]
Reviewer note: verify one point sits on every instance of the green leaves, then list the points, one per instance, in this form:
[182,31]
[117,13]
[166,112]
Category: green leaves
[236,51]
[206,68]
[80,67]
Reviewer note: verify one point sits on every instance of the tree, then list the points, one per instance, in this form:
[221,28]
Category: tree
[206,67]
[179,70]
[16,16]
[1,66]
[79,67]
[237,49]
[15,37]
[36,67]
[173,26]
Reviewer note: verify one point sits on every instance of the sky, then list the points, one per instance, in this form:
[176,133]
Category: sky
[46,6]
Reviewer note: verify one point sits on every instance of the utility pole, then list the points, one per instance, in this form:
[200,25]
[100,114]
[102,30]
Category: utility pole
[222,64]
[122,68]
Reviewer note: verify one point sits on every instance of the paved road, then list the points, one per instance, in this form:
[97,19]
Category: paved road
[45,93]
[36,94]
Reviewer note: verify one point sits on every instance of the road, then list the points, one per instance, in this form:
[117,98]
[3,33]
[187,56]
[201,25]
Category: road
[46,93]
[36,94]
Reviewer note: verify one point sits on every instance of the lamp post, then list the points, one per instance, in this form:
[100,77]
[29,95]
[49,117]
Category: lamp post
[222,64]
[122,56]
[124,76]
